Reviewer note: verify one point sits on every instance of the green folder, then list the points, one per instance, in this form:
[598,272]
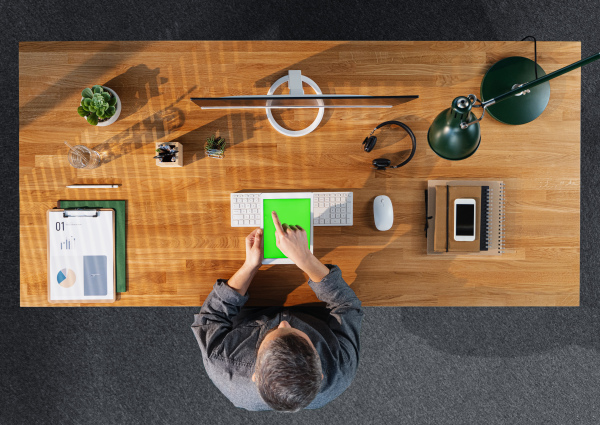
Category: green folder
[120,239]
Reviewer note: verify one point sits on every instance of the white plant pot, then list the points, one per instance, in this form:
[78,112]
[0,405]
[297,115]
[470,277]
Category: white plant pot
[117,113]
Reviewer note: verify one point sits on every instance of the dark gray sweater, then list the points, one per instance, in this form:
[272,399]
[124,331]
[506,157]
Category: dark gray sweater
[229,337]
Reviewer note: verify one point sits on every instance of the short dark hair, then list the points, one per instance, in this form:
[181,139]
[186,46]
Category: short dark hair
[288,373]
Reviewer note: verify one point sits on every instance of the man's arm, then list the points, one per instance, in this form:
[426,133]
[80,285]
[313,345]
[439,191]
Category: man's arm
[226,299]
[293,242]
[346,313]
[241,280]
[329,286]
[214,322]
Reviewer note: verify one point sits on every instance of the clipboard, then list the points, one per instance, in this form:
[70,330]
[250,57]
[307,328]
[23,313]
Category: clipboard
[120,207]
[81,255]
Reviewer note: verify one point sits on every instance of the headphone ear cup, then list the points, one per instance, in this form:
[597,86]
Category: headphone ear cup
[370,143]
[381,163]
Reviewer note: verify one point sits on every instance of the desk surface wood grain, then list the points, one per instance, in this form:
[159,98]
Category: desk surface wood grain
[179,239]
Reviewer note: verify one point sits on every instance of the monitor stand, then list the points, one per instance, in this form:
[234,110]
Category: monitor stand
[294,80]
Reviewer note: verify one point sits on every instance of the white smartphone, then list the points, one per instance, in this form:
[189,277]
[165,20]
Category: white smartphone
[464,219]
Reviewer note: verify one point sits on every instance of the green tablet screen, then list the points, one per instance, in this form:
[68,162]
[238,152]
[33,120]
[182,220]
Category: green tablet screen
[291,212]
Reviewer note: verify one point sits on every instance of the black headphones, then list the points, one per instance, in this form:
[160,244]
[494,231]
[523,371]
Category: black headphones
[383,163]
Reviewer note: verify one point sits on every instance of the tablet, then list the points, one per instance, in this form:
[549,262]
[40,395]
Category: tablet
[292,209]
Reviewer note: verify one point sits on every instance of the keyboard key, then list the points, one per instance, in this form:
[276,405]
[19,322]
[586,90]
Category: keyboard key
[238,217]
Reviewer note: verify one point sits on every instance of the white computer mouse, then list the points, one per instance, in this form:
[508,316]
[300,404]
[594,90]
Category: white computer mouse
[383,213]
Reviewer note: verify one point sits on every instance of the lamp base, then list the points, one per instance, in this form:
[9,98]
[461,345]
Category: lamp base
[519,109]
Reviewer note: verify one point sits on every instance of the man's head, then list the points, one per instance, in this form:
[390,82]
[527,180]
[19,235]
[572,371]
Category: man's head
[288,369]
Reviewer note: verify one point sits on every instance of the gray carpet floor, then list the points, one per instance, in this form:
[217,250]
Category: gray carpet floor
[419,365]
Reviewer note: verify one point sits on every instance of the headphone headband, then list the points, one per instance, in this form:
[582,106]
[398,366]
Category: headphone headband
[377,164]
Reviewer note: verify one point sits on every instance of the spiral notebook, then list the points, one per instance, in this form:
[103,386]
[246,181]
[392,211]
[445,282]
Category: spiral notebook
[491,219]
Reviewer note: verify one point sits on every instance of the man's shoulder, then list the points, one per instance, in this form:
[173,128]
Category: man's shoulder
[238,348]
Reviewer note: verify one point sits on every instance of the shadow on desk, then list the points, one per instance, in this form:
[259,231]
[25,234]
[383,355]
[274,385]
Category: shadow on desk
[272,286]
[160,124]
[235,128]
[50,98]
[135,87]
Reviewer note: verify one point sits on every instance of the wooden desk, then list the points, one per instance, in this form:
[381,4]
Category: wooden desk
[177,265]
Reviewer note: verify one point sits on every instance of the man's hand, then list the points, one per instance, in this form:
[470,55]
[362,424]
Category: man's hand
[254,249]
[292,241]
[242,279]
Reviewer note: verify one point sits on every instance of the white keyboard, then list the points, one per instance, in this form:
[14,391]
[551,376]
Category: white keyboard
[246,210]
[330,209]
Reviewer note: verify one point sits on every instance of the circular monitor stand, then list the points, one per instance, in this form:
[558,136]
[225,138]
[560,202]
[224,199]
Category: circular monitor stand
[310,128]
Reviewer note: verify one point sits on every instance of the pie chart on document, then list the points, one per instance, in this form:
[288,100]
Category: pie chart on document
[66,278]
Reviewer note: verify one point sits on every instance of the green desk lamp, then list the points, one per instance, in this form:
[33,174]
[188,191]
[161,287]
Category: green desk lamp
[455,133]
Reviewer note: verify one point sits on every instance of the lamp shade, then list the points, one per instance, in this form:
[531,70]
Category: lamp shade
[446,137]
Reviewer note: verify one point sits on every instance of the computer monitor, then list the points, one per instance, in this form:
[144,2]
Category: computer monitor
[296,99]
[300,102]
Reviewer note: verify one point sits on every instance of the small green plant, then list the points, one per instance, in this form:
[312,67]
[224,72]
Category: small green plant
[97,104]
[215,147]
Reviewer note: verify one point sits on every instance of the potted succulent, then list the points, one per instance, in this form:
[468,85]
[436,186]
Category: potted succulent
[215,147]
[99,105]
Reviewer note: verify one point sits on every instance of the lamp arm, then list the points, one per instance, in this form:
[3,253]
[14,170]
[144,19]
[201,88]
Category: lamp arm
[476,103]
[542,80]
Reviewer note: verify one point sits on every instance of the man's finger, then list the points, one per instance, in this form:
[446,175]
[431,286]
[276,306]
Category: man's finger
[250,238]
[299,227]
[276,222]
[257,236]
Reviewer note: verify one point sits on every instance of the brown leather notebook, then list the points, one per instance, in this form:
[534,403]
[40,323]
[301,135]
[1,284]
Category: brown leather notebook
[490,218]
[444,218]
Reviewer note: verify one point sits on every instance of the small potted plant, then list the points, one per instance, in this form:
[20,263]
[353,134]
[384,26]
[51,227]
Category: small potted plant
[215,147]
[99,105]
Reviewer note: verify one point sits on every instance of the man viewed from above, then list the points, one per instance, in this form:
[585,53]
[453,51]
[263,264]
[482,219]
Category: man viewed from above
[274,358]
